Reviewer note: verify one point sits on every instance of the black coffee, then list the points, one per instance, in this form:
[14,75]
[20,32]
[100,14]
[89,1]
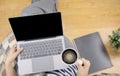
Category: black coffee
[69,56]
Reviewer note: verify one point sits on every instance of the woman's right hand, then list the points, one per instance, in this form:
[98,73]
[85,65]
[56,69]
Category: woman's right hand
[83,70]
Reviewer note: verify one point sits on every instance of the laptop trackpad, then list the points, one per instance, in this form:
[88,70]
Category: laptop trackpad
[42,64]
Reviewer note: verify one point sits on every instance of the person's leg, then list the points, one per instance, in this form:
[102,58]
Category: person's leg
[35,1]
[40,7]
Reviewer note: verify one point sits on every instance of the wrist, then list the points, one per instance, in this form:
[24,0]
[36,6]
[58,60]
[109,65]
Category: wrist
[8,64]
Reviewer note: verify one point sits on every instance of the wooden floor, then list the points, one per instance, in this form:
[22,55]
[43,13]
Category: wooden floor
[9,8]
[80,17]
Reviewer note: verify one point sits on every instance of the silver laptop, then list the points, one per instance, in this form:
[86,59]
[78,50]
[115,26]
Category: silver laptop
[41,37]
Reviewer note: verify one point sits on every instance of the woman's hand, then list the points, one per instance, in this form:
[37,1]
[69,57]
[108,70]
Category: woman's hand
[83,70]
[12,54]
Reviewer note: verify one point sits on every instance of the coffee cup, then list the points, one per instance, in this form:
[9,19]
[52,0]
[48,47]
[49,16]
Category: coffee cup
[70,56]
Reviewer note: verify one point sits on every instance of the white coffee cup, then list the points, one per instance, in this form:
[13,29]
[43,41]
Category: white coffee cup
[71,56]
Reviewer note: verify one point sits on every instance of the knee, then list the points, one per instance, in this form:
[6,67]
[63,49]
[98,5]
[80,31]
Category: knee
[31,11]
[40,7]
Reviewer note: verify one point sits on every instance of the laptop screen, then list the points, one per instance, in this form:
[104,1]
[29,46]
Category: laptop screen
[37,26]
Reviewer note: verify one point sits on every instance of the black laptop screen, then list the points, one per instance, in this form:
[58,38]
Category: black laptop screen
[37,26]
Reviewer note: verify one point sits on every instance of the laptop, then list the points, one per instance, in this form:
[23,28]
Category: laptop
[41,37]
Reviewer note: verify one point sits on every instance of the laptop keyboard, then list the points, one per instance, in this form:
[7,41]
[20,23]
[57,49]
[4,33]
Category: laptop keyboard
[42,48]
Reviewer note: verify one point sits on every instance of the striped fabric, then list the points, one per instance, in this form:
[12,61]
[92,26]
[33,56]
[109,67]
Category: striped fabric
[70,71]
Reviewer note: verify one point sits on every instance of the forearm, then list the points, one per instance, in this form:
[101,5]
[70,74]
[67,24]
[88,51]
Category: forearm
[10,70]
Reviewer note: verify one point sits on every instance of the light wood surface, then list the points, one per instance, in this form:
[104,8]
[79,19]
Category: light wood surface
[80,17]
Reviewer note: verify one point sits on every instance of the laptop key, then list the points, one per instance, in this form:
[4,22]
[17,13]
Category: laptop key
[43,48]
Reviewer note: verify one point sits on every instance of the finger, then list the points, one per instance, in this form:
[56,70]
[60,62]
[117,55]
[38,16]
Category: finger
[14,45]
[86,63]
[13,48]
[79,65]
[18,52]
